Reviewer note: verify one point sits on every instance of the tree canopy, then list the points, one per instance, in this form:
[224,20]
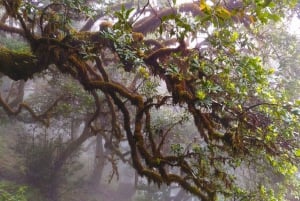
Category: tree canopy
[203,61]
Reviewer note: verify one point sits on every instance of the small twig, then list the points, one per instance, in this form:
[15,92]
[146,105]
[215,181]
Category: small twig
[140,13]
[259,104]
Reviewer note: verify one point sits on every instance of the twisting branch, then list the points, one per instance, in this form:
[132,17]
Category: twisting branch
[101,69]
[150,133]
[43,118]
[116,131]
[259,104]
[165,134]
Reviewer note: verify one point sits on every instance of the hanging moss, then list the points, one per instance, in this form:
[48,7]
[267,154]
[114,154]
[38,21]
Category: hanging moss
[18,65]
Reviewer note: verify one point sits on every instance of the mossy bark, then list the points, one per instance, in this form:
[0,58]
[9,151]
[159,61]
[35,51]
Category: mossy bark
[18,65]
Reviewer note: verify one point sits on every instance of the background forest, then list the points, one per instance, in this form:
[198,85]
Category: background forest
[149,100]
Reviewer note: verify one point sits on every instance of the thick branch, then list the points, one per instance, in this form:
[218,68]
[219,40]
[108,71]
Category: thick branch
[39,118]
[18,65]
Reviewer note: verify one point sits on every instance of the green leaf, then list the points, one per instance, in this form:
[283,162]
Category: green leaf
[295,111]
[223,13]
[297,152]
[201,95]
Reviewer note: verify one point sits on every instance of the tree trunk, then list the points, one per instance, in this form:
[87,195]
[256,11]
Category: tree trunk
[98,163]
[16,93]
[61,159]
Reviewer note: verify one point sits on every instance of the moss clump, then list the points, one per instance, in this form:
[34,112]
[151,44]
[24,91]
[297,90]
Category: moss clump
[17,65]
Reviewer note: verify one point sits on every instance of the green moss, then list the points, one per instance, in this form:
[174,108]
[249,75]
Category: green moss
[17,65]
[12,44]
[12,191]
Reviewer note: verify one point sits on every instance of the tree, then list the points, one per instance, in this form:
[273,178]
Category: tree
[205,53]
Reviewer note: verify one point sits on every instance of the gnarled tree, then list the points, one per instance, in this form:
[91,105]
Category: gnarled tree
[201,51]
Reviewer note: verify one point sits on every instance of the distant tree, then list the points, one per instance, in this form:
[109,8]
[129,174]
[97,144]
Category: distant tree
[203,59]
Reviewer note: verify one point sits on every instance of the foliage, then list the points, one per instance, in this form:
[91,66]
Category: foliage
[19,195]
[219,87]
[13,191]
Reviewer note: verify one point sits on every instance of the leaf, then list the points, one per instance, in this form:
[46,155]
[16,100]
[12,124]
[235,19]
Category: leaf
[201,94]
[266,3]
[204,7]
[295,111]
[297,152]
[234,36]
[223,13]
